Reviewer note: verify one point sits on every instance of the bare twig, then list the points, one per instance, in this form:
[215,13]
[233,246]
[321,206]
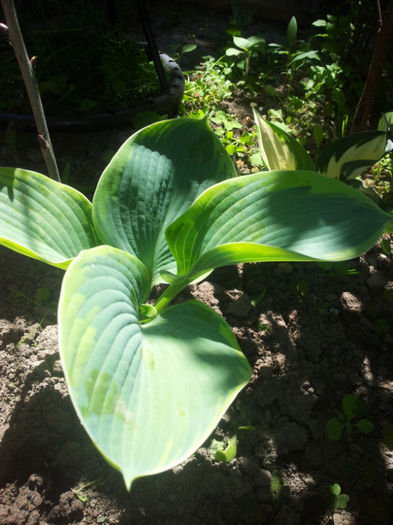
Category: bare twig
[15,38]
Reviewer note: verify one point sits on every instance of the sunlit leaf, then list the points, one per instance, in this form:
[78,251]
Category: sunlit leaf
[148,394]
[42,218]
[279,150]
[350,156]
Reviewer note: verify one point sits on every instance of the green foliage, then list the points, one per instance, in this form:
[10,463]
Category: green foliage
[150,382]
[84,66]
[344,159]
[336,499]
[224,451]
[276,486]
[245,49]
[351,418]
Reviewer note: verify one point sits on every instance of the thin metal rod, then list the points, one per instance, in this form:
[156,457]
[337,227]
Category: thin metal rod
[144,16]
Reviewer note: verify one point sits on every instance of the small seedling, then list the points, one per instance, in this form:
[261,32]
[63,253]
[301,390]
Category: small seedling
[352,417]
[336,499]
[31,333]
[385,246]
[276,485]
[259,297]
[224,451]
[245,48]
[79,492]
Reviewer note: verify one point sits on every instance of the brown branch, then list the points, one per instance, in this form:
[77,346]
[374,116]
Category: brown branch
[15,38]
[366,101]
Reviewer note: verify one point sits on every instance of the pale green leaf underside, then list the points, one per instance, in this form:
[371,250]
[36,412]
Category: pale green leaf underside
[42,218]
[152,179]
[279,150]
[147,395]
[274,216]
[350,156]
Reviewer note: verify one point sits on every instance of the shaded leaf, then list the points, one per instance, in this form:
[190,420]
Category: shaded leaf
[334,429]
[292,30]
[365,426]
[274,216]
[151,180]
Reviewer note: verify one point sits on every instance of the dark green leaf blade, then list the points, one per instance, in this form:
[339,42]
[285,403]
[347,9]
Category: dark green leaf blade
[274,216]
[151,180]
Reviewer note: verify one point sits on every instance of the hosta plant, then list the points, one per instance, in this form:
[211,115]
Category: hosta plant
[150,381]
[344,159]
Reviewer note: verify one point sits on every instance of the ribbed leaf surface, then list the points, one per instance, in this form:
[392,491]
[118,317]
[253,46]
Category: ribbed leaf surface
[274,216]
[148,395]
[42,218]
[153,178]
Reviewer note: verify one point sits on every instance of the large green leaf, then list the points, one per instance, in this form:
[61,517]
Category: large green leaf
[279,150]
[151,180]
[42,218]
[350,156]
[150,394]
[274,216]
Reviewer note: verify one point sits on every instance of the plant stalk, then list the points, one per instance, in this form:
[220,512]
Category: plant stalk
[170,293]
[15,38]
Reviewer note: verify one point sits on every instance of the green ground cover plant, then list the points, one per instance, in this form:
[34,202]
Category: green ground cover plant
[352,417]
[150,380]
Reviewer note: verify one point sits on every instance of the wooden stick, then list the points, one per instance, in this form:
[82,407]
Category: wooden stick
[15,38]
[370,89]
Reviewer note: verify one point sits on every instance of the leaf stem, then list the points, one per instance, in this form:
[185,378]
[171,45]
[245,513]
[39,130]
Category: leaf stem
[170,293]
[15,38]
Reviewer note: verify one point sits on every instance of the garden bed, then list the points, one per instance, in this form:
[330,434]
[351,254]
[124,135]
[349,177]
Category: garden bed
[311,334]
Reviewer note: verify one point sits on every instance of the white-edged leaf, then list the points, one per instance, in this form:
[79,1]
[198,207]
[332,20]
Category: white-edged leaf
[151,180]
[350,156]
[275,216]
[279,150]
[147,394]
[42,218]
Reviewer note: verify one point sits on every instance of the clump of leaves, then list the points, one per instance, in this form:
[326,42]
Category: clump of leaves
[351,418]
[244,49]
[344,159]
[149,380]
